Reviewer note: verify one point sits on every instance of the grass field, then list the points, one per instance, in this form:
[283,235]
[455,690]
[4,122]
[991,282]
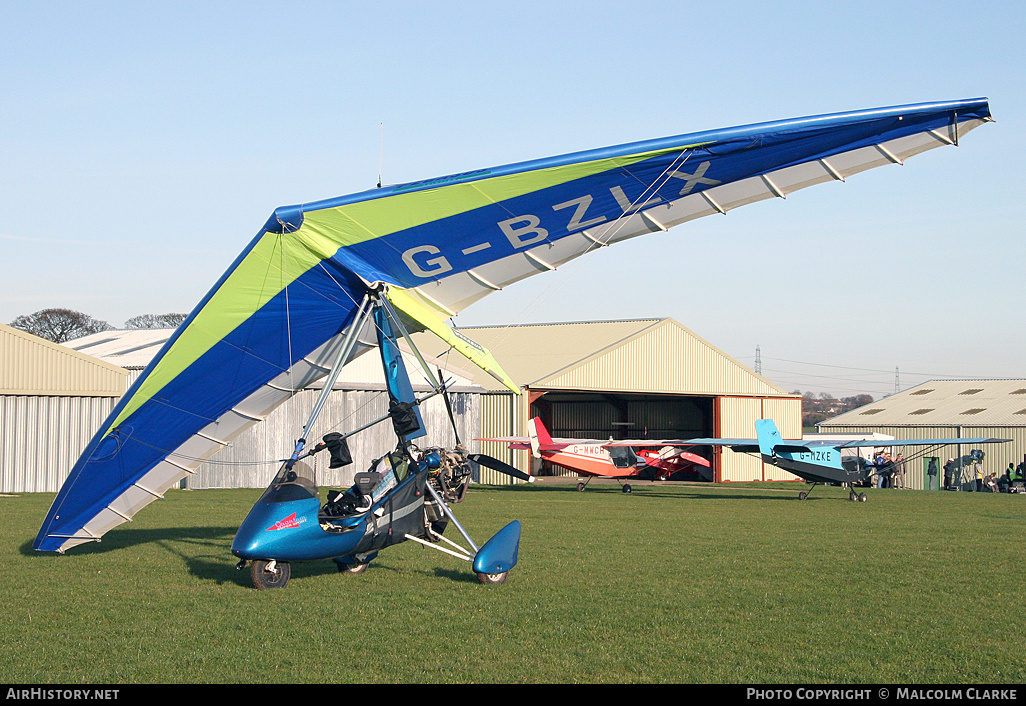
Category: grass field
[673,583]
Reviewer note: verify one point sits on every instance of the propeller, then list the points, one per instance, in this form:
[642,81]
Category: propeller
[500,466]
[448,406]
[487,461]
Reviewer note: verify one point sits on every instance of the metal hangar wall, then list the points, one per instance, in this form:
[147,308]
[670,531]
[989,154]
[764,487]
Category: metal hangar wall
[947,409]
[52,400]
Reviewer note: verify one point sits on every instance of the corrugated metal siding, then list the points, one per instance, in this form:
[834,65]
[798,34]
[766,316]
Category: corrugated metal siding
[499,417]
[654,355]
[996,460]
[530,352]
[736,420]
[945,403]
[787,413]
[251,460]
[41,438]
[133,348]
[666,358]
[30,365]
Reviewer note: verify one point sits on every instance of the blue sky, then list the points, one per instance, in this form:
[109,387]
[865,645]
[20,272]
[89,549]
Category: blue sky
[144,144]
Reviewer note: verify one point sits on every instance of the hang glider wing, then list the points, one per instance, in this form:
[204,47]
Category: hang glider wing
[271,324]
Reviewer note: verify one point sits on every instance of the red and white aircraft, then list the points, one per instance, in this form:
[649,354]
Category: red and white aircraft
[653,460]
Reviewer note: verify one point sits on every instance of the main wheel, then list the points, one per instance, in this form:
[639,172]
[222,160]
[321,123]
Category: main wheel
[862,497]
[580,487]
[490,579]
[268,574]
[803,495]
[627,488]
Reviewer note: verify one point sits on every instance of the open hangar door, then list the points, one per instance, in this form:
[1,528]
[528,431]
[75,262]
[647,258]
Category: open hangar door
[620,415]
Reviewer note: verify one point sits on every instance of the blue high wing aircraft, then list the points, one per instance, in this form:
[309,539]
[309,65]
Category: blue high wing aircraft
[820,461]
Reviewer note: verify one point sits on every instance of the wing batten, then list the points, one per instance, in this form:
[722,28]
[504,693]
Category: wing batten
[712,202]
[180,467]
[154,493]
[126,518]
[537,261]
[210,438]
[482,280]
[831,171]
[773,187]
[889,155]
[655,225]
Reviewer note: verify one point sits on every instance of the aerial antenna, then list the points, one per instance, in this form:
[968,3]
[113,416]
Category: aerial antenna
[758,360]
[897,383]
[381,152]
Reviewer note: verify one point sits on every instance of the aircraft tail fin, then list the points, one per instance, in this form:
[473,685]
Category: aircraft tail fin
[768,435]
[539,436]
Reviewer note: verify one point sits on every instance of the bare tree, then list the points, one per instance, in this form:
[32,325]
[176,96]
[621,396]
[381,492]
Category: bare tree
[156,321]
[59,325]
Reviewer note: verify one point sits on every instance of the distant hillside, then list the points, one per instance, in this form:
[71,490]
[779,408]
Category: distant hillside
[816,409]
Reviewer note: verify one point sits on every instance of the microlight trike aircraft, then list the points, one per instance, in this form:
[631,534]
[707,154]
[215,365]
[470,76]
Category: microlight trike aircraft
[820,461]
[275,321]
[406,496]
[622,459]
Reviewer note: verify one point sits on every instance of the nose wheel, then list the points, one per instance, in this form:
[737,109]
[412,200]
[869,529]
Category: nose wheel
[269,574]
[490,579]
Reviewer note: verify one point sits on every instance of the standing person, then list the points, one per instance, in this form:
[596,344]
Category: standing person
[949,474]
[886,470]
[899,472]
[931,475]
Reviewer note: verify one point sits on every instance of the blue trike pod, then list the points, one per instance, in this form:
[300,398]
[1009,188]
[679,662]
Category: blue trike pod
[499,554]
